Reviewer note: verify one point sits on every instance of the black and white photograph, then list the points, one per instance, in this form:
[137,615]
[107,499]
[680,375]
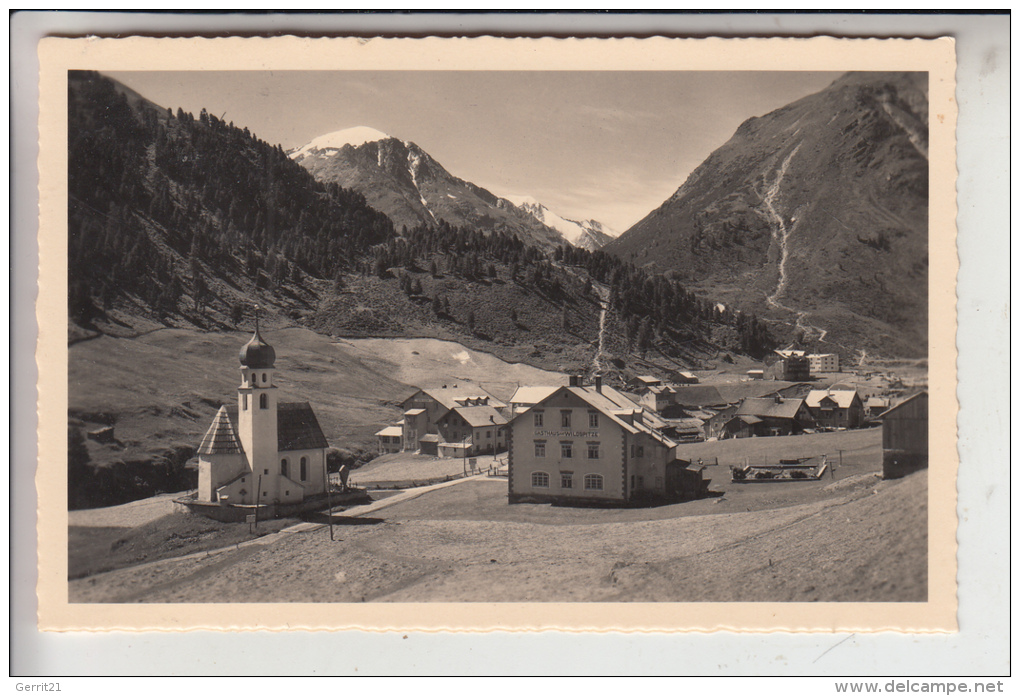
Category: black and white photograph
[659,337]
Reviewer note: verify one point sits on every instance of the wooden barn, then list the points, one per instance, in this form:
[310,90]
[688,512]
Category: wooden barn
[905,437]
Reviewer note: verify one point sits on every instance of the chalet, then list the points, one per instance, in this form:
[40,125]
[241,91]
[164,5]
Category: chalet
[426,407]
[656,398]
[685,378]
[481,428]
[588,444]
[642,382]
[714,425]
[823,362]
[757,417]
[905,437]
[836,408]
[261,451]
[875,406]
[684,429]
[390,439]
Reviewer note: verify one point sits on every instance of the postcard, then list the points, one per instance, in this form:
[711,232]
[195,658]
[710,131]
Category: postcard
[497,334]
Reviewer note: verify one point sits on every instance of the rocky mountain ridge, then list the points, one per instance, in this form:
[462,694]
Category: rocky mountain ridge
[814,215]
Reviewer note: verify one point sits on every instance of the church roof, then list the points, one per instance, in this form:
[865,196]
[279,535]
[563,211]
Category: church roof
[256,353]
[220,438]
[297,428]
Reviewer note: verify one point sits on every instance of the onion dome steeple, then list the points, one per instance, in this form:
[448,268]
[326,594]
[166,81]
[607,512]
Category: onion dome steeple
[256,353]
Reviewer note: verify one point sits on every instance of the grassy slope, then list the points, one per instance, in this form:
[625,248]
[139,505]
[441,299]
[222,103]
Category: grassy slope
[864,544]
[164,387]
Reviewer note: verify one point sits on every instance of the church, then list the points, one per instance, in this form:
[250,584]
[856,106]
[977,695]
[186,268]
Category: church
[261,451]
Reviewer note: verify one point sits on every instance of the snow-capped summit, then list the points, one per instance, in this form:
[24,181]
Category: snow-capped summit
[400,179]
[356,137]
[586,234]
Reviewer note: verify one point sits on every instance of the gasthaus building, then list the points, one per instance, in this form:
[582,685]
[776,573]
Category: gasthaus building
[587,444]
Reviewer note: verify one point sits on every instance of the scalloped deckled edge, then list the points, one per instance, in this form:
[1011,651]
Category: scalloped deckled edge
[937,56]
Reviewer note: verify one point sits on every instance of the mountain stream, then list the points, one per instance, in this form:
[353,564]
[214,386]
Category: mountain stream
[781,236]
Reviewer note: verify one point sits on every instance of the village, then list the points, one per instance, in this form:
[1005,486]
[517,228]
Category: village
[475,484]
[584,442]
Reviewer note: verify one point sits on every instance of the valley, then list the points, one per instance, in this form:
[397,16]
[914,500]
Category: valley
[374,272]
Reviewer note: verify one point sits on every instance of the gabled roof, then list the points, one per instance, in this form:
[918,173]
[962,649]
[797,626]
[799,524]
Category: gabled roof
[297,428]
[391,431]
[480,416]
[221,437]
[647,379]
[842,398]
[906,401]
[877,402]
[769,408]
[611,403]
[414,412]
[449,397]
[686,425]
[531,395]
[700,395]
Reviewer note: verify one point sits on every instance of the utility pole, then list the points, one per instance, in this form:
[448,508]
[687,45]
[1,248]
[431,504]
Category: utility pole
[329,498]
[258,494]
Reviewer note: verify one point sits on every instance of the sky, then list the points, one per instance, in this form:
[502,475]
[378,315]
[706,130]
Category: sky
[609,146]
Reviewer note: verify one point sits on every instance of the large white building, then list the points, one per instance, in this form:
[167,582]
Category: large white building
[823,362]
[261,450]
[589,443]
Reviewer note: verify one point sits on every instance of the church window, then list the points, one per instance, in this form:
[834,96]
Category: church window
[263,401]
[283,467]
[304,468]
[264,376]
[244,402]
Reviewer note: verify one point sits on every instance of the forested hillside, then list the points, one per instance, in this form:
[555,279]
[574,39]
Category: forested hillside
[182,221]
[160,202]
[496,287]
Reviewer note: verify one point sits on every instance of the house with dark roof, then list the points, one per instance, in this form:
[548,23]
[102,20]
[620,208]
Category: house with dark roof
[481,428]
[758,417]
[590,444]
[261,451]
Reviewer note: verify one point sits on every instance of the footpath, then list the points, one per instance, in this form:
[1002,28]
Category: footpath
[303,527]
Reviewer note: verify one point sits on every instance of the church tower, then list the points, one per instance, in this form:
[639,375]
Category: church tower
[257,407]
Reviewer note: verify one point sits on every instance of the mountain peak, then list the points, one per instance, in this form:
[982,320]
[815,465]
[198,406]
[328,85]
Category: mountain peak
[356,137]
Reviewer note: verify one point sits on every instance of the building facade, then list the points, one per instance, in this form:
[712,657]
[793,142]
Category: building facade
[427,421]
[836,408]
[586,444]
[390,439]
[823,362]
[762,417]
[261,451]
